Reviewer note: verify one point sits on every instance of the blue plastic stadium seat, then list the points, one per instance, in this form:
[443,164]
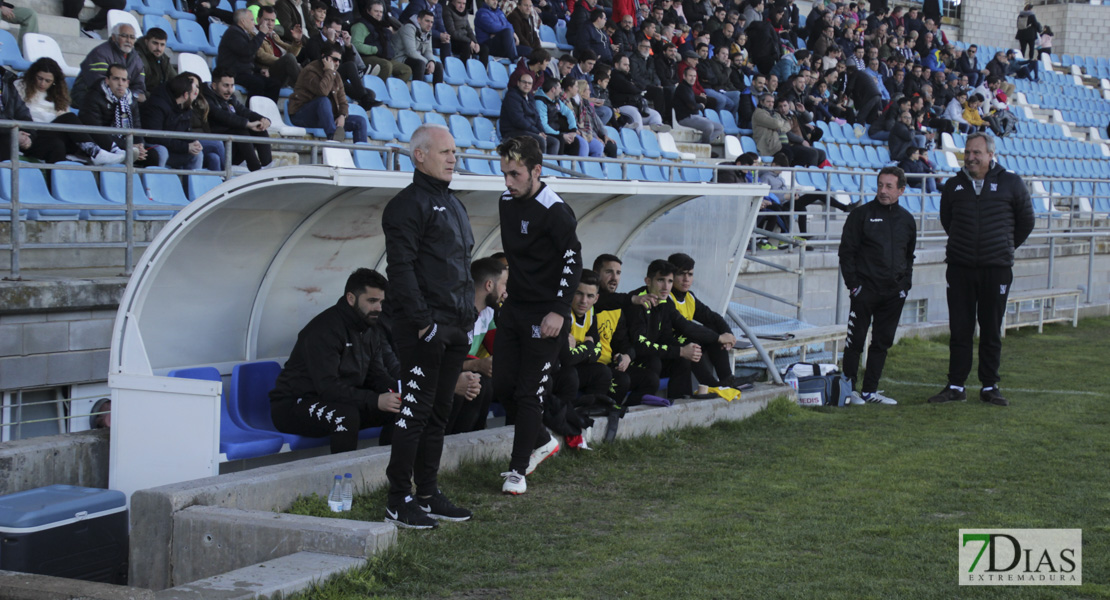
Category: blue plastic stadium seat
[216,32]
[491,103]
[407,122]
[166,187]
[498,75]
[113,186]
[32,190]
[162,7]
[561,36]
[377,85]
[593,169]
[476,75]
[454,71]
[712,115]
[423,96]
[199,185]
[382,126]
[470,103]
[235,442]
[649,143]
[654,173]
[150,21]
[747,144]
[613,170]
[10,56]
[729,122]
[446,99]
[369,159]
[479,166]
[461,129]
[635,172]
[485,131]
[547,35]
[631,142]
[190,32]
[434,118]
[694,174]
[79,187]
[404,163]
[399,96]
[248,402]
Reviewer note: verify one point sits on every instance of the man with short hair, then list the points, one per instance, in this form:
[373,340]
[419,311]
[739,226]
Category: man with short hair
[170,108]
[428,242]
[987,214]
[474,391]
[111,104]
[157,66]
[876,258]
[464,42]
[526,25]
[545,264]
[493,28]
[688,110]
[441,39]
[715,367]
[296,18]
[339,376]
[372,37]
[412,46]
[119,49]
[594,38]
[319,99]
[519,115]
[238,48]
[226,114]
[275,55]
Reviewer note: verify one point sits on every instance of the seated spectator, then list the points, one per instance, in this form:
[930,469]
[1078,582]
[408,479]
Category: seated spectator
[412,46]
[713,74]
[665,340]
[558,119]
[207,11]
[27,19]
[916,163]
[525,20]
[72,9]
[215,158]
[688,110]
[464,42]
[954,112]
[553,11]
[625,36]
[535,64]
[629,97]
[493,29]
[590,126]
[332,387]
[599,95]
[594,38]
[472,400]
[238,49]
[170,108]
[715,367]
[901,138]
[319,99]
[1022,69]
[642,68]
[579,21]
[42,88]
[228,115]
[441,39]
[296,19]
[119,49]
[572,98]
[111,104]
[331,32]
[343,11]
[584,65]
[157,66]
[372,37]
[968,65]
[796,201]
[276,57]
[519,116]
[973,113]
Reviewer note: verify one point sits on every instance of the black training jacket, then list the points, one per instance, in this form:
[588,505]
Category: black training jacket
[661,331]
[984,230]
[428,242]
[539,236]
[337,358]
[876,248]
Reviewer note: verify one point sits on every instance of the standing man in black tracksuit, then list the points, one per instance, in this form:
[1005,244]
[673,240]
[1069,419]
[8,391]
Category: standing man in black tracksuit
[715,367]
[338,377]
[538,234]
[876,258]
[986,212]
[428,245]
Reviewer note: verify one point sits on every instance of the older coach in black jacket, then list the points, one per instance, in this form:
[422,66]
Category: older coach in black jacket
[987,213]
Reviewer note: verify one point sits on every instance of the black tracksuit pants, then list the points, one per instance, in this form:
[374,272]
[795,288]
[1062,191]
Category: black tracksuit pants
[340,421]
[470,415]
[430,367]
[867,309]
[976,293]
[523,371]
[713,366]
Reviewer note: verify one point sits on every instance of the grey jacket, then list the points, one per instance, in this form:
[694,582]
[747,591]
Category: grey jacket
[411,42]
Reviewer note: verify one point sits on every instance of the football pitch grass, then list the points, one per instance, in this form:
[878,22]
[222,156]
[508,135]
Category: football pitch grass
[855,502]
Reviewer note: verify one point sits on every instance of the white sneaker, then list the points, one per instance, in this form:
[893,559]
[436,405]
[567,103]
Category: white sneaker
[878,398]
[541,454]
[514,483]
[108,158]
[855,399]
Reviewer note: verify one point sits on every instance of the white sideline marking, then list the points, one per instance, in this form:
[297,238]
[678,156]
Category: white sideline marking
[1007,389]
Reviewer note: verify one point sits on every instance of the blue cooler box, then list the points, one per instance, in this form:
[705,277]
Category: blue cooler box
[65,531]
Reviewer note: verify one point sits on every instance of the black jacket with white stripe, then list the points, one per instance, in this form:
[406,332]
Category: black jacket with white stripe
[540,241]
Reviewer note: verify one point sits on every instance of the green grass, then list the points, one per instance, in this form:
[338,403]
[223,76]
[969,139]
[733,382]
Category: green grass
[859,502]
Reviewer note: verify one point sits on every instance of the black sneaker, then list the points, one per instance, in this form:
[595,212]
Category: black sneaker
[438,507]
[948,394]
[410,516]
[993,396]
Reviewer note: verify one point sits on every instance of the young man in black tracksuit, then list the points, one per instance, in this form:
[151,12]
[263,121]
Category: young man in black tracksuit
[428,246]
[987,214]
[715,367]
[338,376]
[876,258]
[660,333]
[538,234]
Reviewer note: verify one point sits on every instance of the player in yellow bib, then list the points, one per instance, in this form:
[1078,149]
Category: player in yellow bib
[714,368]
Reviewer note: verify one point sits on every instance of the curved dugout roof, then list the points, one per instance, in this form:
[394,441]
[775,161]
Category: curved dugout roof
[236,274]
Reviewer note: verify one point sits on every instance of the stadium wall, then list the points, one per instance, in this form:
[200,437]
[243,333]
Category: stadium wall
[1079,28]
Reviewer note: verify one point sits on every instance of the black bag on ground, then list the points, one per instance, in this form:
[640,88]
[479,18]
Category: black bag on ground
[832,389]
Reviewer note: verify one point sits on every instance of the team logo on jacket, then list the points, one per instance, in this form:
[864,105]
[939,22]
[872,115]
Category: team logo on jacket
[959,187]
[439,208]
[1002,289]
[524,227]
[994,187]
[536,332]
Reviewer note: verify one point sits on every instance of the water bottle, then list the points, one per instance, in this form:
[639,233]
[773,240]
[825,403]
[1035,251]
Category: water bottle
[791,379]
[348,494]
[335,498]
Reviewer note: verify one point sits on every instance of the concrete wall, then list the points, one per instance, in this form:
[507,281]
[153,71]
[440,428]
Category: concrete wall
[990,22]
[1078,28]
[74,459]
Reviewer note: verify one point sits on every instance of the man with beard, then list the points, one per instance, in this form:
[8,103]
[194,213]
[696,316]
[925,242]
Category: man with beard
[474,391]
[372,37]
[336,380]
[538,233]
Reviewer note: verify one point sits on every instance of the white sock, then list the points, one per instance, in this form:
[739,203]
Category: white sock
[988,388]
[958,388]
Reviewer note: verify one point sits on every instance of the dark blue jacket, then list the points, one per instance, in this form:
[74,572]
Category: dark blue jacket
[518,115]
[162,113]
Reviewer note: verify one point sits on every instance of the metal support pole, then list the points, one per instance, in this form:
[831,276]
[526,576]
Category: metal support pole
[766,358]
[17,233]
[129,196]
[1051,258]
[1090,268]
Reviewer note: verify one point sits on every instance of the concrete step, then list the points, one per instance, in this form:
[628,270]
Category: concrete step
[702,151]
[78,45]
[58,27]
[276,578]
[685,134]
